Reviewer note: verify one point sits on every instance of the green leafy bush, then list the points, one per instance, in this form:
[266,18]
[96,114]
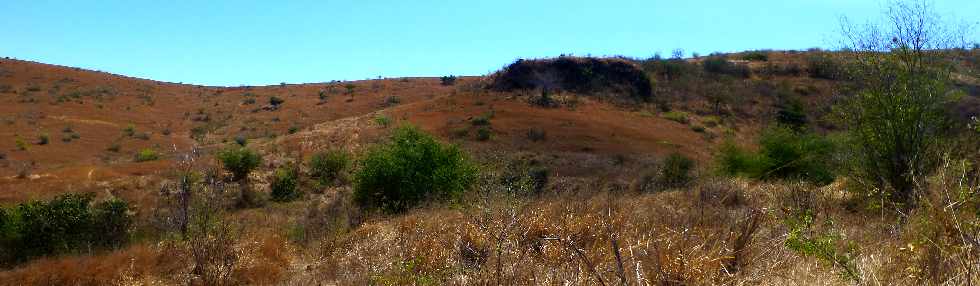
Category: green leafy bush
[239,161]
[329,166]
[783,154]
[68,223]
[147,155]
[409,169]
[43,139]
[284,184]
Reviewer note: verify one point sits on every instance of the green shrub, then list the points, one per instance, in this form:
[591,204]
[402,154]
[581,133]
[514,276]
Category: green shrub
[276,101]
[329,166]
[114,147]
[824,66]
[239,161]
[525,176]
[791,115]
[675,171]
[21,145]
[383,121]
[130,130]
[482,120]
[43,139]
[677,116]
[536,134]
[448,80]
[284,183]
[293,129]
[147,155]
[783,154]
[483,133]
[69,223]
[721,65]
[760,56]
[241,140]
[409,169]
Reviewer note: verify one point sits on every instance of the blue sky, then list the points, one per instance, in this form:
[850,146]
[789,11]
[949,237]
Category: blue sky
[267,42]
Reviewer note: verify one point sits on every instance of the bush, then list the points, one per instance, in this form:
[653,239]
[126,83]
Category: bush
[676,171]
[276,101]
[448,80]
[239,161]
[329,166]
[284,184]
[382,120]
[760,56]
[21,145]
[43,139]
[147,155]
[525,177]
[114,147]
[677,116]
[783,154]
[823,66]
[68,223]
[536,134]
[721,65]
[409,169]
[483,133]
[130,130]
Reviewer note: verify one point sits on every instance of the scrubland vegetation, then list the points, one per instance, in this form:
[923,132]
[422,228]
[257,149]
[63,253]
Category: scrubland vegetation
[879,186]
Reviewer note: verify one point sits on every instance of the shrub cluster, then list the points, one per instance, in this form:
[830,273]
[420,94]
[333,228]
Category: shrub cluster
[69,223]
[239,161]
[411,167]
[329,166]
[448,80]
[284,184]
[721,65]
[147,155]
[579,75]
[823,66]
[784,154]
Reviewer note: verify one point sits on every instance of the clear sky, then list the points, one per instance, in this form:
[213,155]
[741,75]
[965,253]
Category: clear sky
[216,42]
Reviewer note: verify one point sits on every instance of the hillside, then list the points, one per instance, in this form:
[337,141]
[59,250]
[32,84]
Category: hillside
[592,137]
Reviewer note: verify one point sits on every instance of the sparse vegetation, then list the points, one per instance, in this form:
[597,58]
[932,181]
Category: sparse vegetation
[147,154]
[43,139]
[677,116]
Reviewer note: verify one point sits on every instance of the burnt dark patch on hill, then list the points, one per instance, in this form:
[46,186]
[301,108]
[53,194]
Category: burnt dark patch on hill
[594,76]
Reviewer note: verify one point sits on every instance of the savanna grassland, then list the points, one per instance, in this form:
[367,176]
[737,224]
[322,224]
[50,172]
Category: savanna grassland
[856,166]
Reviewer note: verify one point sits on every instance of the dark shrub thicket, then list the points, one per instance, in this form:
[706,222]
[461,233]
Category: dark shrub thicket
[676,171]
[824,66]
[69,223]
[410,168]
[721,65]
[783,154]
[575,74]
